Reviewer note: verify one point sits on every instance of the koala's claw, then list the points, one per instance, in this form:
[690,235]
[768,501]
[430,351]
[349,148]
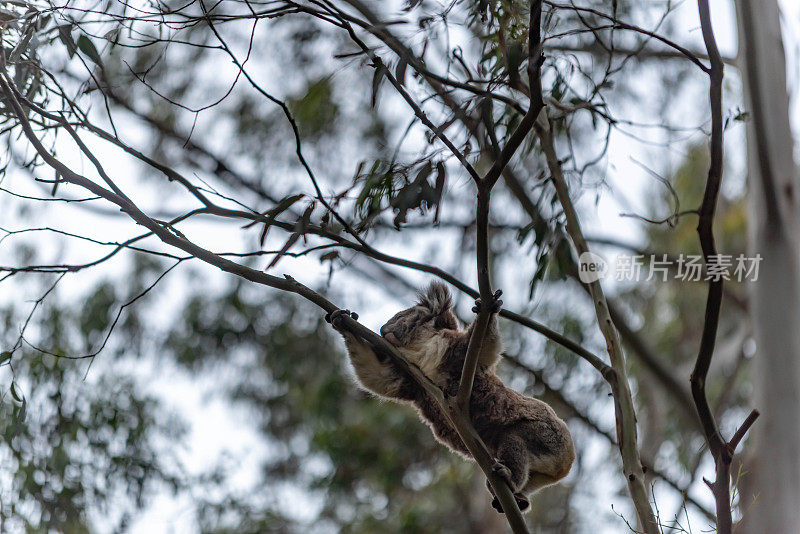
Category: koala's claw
[503,472]
[335,317]
[494,306]
[522,502]
[496,505]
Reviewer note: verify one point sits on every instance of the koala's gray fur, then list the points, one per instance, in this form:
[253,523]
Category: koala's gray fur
[524,434]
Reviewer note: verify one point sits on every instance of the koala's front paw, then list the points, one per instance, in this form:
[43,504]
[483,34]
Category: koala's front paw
[494,305]
[335,317]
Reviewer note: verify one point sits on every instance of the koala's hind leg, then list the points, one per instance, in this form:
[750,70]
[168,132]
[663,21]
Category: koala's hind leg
[537,454]
[551,452]
[513,464]
[513,460]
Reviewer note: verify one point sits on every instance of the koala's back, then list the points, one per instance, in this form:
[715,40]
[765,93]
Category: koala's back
[492,403]
[493,409]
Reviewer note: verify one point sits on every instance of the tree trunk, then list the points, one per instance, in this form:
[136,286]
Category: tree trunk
[770,497]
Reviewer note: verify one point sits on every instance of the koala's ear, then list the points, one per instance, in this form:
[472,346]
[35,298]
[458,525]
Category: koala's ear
[446,321]
[436,298]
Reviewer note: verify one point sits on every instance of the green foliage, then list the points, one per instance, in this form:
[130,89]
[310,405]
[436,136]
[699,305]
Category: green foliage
[390,186]
[86,46]
[86,446]
[316,110]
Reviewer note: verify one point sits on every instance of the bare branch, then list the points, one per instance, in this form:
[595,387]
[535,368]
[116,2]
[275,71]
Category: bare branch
[721,450]
[625,26]
[623,401]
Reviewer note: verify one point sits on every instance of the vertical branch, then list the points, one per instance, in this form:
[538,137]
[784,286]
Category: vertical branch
[721,450]
[625,412]
[481,324]
[485,186]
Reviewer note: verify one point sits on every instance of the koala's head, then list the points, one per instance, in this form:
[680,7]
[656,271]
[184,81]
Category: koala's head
[418,324]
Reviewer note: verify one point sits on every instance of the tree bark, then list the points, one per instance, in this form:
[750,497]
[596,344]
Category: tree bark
[770,496]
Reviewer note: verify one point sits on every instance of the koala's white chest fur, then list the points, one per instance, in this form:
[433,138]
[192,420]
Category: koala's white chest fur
[428,355]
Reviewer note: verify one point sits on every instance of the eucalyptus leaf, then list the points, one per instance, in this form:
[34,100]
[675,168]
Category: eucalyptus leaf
[65,35]
[23,411]
[16,393]
[377,78]
[87,47]
[400,71]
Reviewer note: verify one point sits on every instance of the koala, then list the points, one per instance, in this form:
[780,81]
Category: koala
[531,444]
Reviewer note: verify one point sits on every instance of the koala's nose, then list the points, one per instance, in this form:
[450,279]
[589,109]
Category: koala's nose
[389,336]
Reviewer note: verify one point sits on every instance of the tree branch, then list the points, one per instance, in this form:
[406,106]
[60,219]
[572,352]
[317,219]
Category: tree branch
[484,198]
[721,450]
[623,401]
